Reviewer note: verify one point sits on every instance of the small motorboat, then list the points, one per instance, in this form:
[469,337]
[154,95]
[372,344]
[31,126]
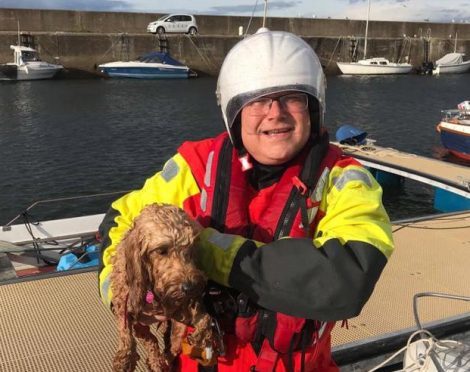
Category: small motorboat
[451,63]
[454,129]
[155,65]
[27,65]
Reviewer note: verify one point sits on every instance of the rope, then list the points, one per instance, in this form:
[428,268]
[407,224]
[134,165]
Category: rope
[423,361]
[403,49]
[370,149]
[113,44]
[251,18]
[334,50]
[64,199]
[205,59]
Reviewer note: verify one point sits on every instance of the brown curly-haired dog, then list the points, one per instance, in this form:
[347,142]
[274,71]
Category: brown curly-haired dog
[153,267]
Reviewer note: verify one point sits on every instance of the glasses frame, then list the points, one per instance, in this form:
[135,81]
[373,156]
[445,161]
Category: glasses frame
[267,102]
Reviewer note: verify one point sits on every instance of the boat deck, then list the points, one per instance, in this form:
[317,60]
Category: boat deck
[59,324]
[432,171]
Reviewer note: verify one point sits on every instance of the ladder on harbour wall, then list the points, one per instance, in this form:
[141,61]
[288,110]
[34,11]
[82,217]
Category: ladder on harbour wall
[163,43]
[124,52]
[353,49]
[27,40]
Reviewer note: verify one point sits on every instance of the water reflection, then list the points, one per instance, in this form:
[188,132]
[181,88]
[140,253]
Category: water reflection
[76,137]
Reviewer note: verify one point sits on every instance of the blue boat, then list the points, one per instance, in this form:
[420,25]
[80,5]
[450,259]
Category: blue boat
[155,65]
[454,129]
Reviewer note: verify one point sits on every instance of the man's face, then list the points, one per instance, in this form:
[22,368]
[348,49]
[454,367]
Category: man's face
[274,131]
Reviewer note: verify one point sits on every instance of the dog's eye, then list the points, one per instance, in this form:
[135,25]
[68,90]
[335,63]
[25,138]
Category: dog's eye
[158,251]
[163,251]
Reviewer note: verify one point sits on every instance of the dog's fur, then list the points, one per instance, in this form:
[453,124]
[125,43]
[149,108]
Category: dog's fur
[157,255]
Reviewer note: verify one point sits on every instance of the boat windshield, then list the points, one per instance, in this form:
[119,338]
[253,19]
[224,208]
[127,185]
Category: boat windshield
[449,115]
[151,59]
[157,57]
[29,56]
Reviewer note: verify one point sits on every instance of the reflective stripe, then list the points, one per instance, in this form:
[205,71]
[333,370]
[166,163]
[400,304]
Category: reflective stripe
[317,194]
[223,241]
[207,176]
[351,175]
[105,292]
[170,170]
[322,328]
[203,202]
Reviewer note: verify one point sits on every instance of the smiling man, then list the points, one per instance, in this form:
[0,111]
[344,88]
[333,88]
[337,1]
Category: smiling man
[295,234]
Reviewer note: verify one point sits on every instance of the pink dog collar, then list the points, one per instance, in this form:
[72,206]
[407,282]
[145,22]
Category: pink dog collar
[149,297]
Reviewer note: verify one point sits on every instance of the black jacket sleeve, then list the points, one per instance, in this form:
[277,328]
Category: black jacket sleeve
[335,284]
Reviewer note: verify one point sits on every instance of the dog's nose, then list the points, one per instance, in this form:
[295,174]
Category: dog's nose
[187,286]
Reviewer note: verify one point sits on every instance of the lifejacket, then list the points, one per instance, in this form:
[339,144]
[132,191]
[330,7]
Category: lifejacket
[293,211]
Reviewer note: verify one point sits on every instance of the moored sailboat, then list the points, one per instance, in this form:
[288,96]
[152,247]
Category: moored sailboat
[373,66]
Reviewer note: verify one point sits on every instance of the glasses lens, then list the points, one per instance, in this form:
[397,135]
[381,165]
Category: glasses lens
[259,107]
[296,102]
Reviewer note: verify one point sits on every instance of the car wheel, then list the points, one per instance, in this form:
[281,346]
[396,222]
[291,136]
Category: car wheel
[193,31]
[160,30]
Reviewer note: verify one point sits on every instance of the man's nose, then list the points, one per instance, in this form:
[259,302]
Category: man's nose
[275,109]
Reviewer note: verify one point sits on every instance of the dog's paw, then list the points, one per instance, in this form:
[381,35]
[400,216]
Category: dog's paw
[159,365]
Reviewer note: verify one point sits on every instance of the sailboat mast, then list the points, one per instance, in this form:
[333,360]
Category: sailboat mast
[18,24]
[367,29]
[455,44]
[265,12]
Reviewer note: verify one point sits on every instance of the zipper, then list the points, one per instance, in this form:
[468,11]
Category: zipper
[287,217]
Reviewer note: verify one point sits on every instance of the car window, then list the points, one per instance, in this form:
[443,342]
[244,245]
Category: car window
[186,18]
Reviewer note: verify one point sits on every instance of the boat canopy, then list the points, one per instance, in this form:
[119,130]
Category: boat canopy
[350,135]
[451,59]
[159,57]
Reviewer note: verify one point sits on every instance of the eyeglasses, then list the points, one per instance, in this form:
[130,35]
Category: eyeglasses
[295,102]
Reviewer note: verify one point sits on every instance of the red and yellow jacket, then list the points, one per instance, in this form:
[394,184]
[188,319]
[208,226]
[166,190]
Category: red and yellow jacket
[261,246]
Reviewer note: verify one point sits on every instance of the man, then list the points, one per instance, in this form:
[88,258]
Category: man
[295,235]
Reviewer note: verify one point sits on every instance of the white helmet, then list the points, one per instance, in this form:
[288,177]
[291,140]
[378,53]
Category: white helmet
[265,63]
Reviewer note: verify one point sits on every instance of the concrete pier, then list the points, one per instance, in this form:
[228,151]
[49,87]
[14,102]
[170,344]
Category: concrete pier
[82,40]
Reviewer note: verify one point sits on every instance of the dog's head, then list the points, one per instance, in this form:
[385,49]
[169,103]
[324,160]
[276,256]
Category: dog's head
[159,258]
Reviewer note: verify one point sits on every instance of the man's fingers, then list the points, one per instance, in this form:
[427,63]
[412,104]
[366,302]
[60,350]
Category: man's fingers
[148,319]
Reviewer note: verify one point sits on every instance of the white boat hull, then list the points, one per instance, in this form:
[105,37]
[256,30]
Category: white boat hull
[354,68]
[459,68]
[38,73]
[33,71]
[144,70]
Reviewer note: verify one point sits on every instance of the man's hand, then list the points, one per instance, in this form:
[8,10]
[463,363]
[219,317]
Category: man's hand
[148,316]
[196,226]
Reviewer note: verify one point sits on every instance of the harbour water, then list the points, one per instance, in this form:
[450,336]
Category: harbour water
[65,138]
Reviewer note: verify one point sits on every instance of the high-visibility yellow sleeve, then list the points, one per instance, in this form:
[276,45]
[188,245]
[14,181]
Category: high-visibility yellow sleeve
[173,185]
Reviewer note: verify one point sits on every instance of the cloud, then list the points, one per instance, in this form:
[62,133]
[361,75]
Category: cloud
[242,8]
[404,10]
[102,5]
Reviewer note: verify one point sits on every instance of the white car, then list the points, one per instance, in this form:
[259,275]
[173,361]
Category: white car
[180,23]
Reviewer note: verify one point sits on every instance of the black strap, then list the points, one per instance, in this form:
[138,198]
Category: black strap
[222,185]
[201,368]
[309,176]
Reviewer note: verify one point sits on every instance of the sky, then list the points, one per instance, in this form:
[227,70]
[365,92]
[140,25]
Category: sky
[457,11]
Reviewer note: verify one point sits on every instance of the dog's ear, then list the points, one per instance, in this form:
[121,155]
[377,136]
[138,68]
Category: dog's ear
[137,275]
